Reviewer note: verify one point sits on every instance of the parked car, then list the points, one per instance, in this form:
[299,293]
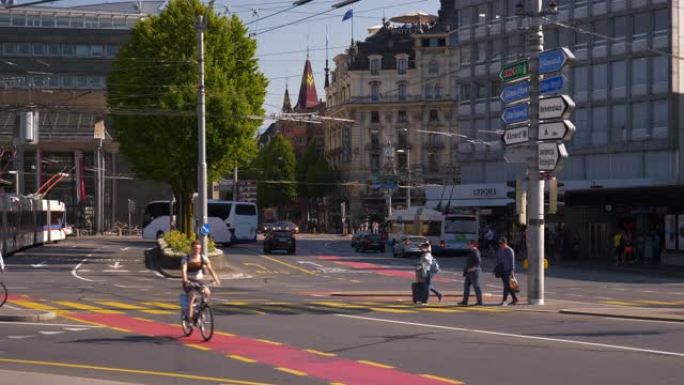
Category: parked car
[280,240]
[266,227]
[372,242]
[410,245]
[286,225]
[356,238]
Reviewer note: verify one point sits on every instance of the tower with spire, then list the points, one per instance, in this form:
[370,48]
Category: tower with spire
[287,106]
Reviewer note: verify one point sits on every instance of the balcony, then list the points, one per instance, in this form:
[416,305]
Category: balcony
[433,146]
[387,99]
[373,147]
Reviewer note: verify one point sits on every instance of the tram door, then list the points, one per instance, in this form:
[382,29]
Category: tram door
[599,240]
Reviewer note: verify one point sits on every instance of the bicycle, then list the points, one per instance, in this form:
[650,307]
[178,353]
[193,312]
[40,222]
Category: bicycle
[3,293]
[202,316]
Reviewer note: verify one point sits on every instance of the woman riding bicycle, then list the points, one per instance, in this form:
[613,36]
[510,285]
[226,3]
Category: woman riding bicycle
[191,268]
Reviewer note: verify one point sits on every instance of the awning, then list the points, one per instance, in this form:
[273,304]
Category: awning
[474,203]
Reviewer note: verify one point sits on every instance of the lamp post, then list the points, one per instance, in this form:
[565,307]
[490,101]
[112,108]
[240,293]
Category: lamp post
[407,151]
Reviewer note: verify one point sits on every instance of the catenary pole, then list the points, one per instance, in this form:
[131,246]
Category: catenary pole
[202,161]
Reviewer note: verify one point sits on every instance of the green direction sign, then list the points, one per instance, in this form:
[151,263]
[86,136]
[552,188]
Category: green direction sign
[515,71]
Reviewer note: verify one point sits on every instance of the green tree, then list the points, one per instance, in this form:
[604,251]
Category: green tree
[152,91]
[320,179]
[304,162]
[277,164]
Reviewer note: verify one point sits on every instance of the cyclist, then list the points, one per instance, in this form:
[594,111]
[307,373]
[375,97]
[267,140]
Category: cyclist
[191,268]
[2,264]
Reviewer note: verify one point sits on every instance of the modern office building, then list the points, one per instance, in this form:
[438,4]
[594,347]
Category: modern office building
[54,61]
[623,172]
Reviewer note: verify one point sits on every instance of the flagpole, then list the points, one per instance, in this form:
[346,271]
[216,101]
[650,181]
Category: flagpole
[352,27]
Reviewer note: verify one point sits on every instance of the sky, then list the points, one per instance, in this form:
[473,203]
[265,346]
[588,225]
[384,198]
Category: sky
[282,51]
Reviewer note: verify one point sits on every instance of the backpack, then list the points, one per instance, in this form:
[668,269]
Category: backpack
[434,268]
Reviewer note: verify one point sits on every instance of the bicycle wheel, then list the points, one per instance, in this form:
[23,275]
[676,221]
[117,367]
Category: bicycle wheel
[206,322]
[3,294]
[186,325]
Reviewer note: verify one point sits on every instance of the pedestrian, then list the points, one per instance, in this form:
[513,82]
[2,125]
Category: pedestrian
[472,272]
[505,257]
[2,264]
[429,267]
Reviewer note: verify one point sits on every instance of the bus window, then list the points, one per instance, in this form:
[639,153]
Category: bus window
[460,225]
[219,210]
[410,229]
[155,210]
[245,210]
[431,228]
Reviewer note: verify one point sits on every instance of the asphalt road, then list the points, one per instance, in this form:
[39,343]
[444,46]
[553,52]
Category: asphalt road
[327,315]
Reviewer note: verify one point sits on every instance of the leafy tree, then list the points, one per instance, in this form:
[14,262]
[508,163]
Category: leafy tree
[277,163]
[304,162]
[320,179]
[152,91]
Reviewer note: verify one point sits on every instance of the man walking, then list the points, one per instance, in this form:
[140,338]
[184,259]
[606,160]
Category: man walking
[505,257]
[472,272]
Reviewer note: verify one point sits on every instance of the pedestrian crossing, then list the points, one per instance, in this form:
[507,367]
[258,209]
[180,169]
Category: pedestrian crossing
[236,307]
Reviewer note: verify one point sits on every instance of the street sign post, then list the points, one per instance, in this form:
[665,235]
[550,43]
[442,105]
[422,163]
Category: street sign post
[554,60]
[550,155]
[552,85]
[557,107]
[515,92]
[515,71]
[516,113]
[516,135]
[563,130]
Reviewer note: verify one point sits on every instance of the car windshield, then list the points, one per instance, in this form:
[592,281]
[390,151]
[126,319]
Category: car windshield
[417,240]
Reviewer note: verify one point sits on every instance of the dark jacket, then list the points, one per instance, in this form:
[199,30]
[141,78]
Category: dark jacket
[506,257]
[474,260]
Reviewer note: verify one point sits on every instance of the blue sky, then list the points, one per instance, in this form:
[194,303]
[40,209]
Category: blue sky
[282,51]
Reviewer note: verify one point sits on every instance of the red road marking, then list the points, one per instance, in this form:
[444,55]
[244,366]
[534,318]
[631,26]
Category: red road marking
[335,369]
[380,270]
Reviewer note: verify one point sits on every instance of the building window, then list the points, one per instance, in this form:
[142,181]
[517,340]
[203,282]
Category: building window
[23,49]
[112,50]
[68,50]
[438,91]
[375,92]
[481,52]
[428,91]
[581,79]
[600,76]
[464,93]
[402,117]
[620,27]
[76,22]
[618,71]
[53,50]
[660,113]
[497,49]
[602,29]
[434,66]
[18,21]
[434,116]
[375,163]
[482,13]
[401,91]
[481,90]
[618,123]
[96,50]
[550,38]
[465,55]
[38,49]
[639,71]
[661,69]
[62,21]
[68,81]
[33,21]
[465,16]
[600,125]
[640,121]
[661,20]
[375,117]
[82,50]
[9,49]
[91,22]
[641,23]
[402,66]
[375,66]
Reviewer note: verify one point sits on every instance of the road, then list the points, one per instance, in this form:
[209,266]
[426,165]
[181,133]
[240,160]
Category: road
[327,315]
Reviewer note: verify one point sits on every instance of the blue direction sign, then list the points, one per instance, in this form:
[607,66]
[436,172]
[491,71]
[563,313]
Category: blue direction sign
[554,60]
[205,230]
[516,113]
[517,91]
[552,85]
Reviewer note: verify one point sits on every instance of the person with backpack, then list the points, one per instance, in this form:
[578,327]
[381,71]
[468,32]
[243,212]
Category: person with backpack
[426,269]
[472,272]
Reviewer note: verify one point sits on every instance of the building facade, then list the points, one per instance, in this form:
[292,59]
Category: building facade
[55,61]
[393,87]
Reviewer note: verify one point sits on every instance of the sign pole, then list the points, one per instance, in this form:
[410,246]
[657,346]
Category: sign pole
[202,164]
[535,201]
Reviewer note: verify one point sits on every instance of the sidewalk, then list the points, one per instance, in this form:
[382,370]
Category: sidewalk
[16,377]
[607,265]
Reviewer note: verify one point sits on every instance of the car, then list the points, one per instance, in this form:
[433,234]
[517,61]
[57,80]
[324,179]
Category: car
[372,242]
[286,225]
[280,240]
[266,227]
[356,238]
[408,245]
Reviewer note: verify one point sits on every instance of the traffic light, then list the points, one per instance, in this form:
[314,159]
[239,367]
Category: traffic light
[555,195]
[520,196]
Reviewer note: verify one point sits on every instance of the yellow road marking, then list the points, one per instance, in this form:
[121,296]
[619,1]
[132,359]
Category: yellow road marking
[235,303]
[132,371]
[438,378]
[33,305]
[127,306]
[255,264]
[376,364]
[225,334]
[292,371]
[486,309]
[84,321]
[120,329]
[621,303]
[441,310]
[320,353]
[81,306]
[269,342]
[198,347]
[241,358]
[143,319]
[276,260]
[390,310]
[339,305]
[163,305]
[656,302]
[156,311]
[336,383]
[237,307]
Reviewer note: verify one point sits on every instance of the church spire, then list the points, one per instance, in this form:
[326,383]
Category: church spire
[308,98]
[287,106]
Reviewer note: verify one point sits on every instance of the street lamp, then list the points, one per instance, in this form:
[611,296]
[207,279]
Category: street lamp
[407,151]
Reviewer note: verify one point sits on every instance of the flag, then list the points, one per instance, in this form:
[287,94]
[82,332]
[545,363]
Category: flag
[348,15]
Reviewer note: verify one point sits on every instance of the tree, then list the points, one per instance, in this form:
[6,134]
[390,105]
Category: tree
[320,179]
[304,162]
[277,164]
[152,91]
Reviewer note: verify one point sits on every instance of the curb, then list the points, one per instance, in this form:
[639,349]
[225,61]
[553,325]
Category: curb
[22,316]
[624,316]
[395,294]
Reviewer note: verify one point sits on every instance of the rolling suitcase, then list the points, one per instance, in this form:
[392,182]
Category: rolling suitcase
[420,292]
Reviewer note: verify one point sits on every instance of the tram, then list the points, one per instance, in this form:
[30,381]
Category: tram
[27,221]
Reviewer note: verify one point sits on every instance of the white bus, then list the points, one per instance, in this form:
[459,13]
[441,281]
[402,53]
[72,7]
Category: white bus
[417,221]
[457,231]
[229,221]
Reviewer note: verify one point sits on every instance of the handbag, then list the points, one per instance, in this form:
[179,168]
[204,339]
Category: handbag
[513,283]
[498,270]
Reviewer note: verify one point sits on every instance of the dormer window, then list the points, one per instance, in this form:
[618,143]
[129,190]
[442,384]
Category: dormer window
[375,91]
[402,66]
[434,67]
[375,66]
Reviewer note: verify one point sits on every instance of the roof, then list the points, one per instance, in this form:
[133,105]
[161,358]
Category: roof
[150,7]
[386,42]
[308,97]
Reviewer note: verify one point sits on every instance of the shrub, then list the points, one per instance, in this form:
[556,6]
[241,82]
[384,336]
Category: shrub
[178,242]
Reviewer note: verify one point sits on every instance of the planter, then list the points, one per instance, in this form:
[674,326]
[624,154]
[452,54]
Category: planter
[169,259]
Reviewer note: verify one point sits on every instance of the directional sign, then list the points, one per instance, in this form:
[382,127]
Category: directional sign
[564,130]
[514,92]
[205,230]
[516,113]
[552,85]
[516,135]
[514,71]
[554,60]
[557,107]
[550,155]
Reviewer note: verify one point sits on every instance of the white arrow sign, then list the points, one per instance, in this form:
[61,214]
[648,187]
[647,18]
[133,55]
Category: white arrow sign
[116,265]
[564,130]
[550,155]
[557,107]
[516,135]
[310,263]
[42,264]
